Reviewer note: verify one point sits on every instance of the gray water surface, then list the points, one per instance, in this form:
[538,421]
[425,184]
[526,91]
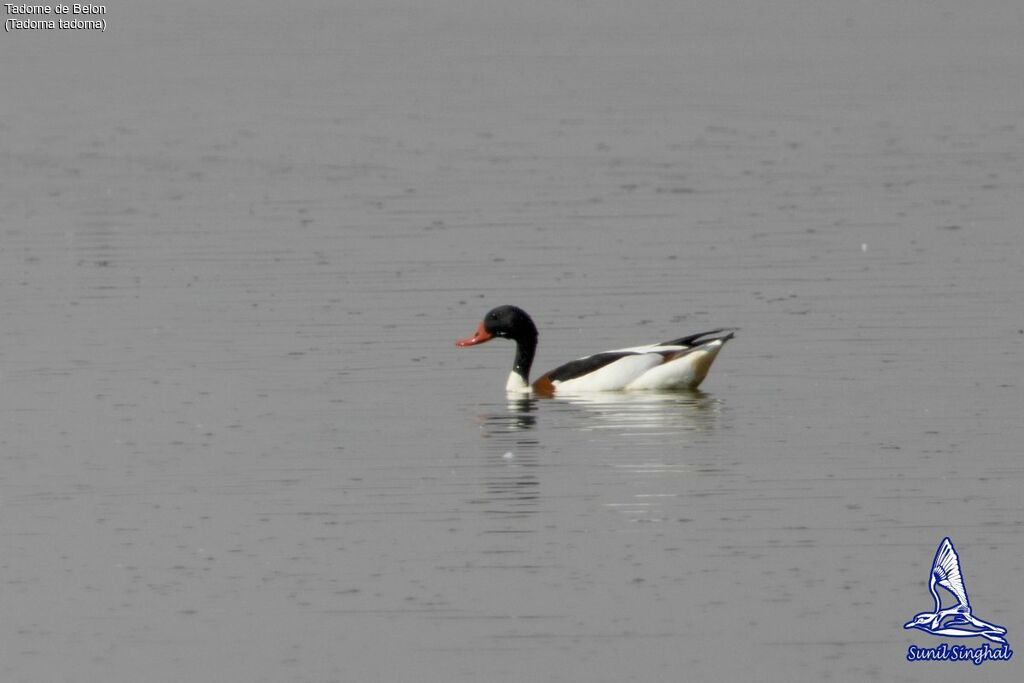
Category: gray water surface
[238,241]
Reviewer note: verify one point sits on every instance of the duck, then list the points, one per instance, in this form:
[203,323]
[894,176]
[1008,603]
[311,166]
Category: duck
[681,363]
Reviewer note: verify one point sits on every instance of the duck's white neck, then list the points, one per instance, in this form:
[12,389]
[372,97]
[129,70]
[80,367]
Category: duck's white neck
[516,382]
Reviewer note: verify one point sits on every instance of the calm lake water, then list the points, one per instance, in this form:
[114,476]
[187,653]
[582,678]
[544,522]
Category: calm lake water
[237,243]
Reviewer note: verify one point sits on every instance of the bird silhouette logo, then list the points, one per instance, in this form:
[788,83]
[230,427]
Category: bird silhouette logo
[957,620]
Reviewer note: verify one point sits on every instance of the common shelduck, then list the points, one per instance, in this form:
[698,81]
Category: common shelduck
[677,364]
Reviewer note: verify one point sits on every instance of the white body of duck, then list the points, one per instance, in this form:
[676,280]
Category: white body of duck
[677,364]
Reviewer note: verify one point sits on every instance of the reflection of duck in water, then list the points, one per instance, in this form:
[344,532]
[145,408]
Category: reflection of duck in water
[511,468]
[946,573]
[642,414]
[677,364]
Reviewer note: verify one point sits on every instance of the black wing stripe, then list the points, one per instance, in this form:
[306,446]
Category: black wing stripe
[692,339]
[578,368]
[583,366]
